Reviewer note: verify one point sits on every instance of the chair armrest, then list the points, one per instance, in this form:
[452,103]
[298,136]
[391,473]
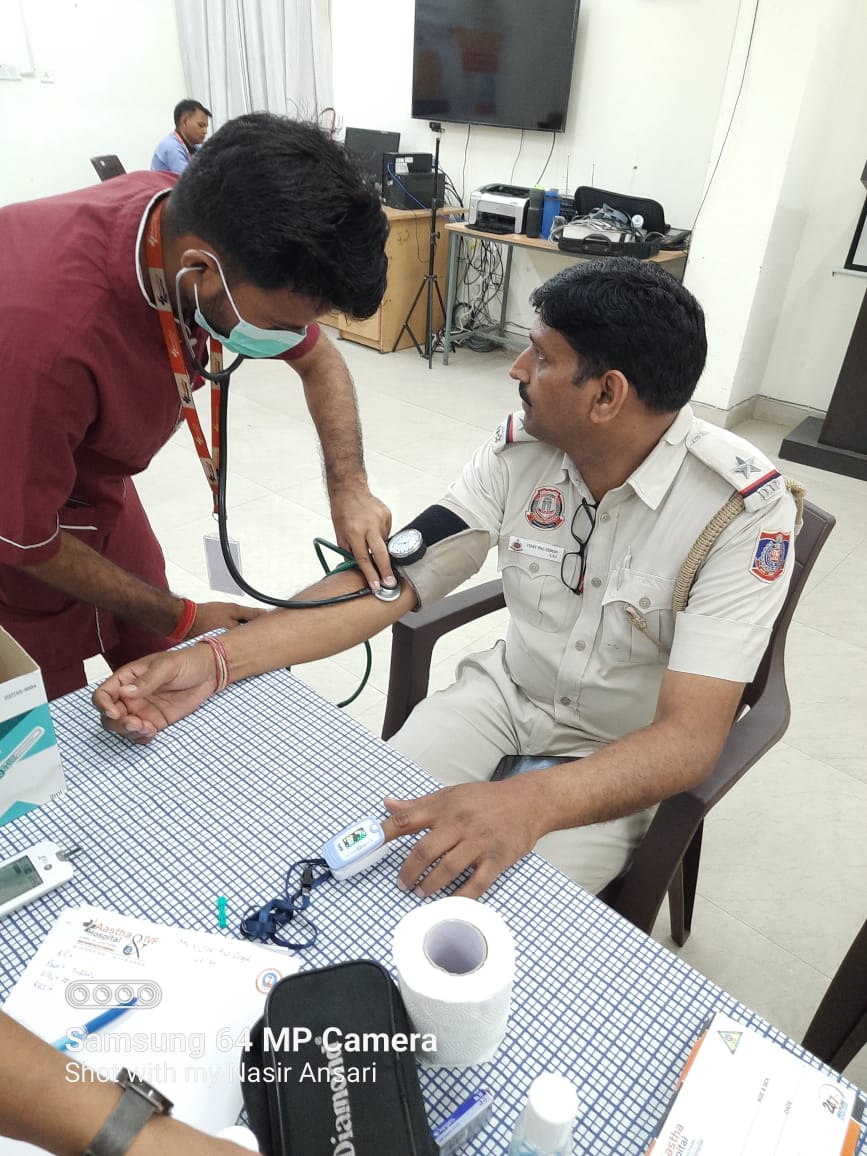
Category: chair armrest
[414,637]
[639,894]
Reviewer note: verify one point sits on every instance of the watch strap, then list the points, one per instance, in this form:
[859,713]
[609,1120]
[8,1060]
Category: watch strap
[128,1117]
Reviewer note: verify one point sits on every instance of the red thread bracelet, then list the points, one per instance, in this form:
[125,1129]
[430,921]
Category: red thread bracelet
[221,663]
[185,622]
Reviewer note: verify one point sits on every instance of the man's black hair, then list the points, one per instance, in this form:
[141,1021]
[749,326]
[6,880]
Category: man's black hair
[619,313]
[185,106]
[286,208]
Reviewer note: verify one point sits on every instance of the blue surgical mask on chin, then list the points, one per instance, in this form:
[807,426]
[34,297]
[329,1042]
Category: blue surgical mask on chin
[244,338]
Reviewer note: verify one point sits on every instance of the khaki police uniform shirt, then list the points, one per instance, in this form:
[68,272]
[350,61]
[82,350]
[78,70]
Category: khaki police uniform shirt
[580,658]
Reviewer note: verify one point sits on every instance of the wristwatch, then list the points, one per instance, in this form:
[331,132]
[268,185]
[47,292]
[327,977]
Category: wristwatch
[139,1102]
[406,546]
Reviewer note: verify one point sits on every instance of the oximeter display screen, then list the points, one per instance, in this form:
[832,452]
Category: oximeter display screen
[18,877]
[348,842]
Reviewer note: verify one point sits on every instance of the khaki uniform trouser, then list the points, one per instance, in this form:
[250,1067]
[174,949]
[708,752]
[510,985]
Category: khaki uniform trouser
[459,735]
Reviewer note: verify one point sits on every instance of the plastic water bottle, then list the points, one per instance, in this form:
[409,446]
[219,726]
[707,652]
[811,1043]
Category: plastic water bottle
[534,211]
[550,209]
[545,1126]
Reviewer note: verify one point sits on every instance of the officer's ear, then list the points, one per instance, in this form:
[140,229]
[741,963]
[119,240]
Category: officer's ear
[610,391]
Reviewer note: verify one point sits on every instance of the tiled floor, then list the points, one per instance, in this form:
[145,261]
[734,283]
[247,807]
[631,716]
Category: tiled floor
[783,884]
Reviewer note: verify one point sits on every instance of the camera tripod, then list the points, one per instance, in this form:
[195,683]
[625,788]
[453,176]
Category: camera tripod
[429,282]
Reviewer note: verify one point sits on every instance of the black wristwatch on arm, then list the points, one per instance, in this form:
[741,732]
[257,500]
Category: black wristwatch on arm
[136,1106]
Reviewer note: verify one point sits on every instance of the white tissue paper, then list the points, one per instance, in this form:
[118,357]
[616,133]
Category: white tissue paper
[455,961]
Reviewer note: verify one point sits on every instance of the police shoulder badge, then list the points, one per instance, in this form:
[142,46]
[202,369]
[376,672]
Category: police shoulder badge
[769,560]
[546,508]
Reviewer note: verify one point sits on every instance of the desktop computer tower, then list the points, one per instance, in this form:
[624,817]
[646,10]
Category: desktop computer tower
[408,181]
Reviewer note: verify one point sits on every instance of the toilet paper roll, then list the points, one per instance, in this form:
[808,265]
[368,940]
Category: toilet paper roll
[455,961]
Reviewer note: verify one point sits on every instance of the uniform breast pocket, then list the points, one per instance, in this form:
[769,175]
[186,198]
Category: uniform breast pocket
[637,619]
[534,590]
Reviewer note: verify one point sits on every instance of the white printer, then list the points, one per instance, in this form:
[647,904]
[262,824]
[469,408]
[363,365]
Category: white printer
[499,208]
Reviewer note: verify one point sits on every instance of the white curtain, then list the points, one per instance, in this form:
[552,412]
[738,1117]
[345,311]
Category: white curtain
[253,55]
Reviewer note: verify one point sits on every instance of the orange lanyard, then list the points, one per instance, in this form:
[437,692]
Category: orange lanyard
[210,459]
[184,143]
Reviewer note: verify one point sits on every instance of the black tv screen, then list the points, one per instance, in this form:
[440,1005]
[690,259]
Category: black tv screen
[498,62]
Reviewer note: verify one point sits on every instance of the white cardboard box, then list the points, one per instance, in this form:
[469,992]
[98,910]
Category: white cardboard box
[30,770]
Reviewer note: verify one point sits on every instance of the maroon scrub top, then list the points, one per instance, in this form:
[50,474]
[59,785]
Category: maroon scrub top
[87,397]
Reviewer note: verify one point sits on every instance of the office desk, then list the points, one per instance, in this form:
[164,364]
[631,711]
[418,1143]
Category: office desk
[458,231]
[407,252]
[260,776]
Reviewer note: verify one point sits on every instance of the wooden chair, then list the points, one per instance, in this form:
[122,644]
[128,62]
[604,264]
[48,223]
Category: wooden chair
[838,1030]
[666,861]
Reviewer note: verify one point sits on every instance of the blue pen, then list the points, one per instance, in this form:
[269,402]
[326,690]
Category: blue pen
[94,1025]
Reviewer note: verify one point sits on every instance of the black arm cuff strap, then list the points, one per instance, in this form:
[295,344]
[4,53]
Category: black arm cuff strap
[437,523]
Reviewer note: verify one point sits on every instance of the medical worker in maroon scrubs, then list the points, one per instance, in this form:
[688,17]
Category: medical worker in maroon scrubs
[112,299]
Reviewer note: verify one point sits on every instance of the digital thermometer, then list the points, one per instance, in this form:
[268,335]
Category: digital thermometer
[32,873]
[355,848]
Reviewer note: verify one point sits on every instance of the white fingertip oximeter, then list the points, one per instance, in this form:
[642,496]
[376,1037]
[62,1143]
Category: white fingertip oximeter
[355,848]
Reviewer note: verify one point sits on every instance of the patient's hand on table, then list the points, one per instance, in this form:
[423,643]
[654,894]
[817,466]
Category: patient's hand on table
[483,826]
[144,697]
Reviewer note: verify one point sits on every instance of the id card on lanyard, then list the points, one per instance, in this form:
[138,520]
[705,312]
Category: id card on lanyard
[218,575]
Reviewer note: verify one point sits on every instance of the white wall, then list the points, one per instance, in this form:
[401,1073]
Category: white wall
[762,197]
[653,90]
[116,70]
[642,115]
[818,310]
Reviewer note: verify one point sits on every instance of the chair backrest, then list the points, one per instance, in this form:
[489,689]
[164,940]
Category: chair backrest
[818,524]
[667,858]
[107,167]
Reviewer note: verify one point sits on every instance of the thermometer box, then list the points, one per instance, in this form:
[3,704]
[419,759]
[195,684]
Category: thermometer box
[30,770]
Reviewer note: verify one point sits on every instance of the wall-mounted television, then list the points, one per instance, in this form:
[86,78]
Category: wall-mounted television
[499,62]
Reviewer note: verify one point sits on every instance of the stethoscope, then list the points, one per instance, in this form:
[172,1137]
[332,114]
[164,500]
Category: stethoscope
[385,594]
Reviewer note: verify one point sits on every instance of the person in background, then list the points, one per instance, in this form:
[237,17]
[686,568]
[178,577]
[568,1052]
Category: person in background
[175,151]
[593,494]
[45,1102]
[109,296]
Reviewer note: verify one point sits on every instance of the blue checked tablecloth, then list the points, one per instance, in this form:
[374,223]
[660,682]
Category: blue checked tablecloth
[261,776]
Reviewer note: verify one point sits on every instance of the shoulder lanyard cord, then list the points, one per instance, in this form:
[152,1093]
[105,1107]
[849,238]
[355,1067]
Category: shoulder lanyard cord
[209,458]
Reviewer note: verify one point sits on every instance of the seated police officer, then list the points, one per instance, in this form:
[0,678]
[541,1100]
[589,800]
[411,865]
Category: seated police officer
[593,495]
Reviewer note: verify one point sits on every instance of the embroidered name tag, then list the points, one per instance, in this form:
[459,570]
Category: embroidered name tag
[536,549]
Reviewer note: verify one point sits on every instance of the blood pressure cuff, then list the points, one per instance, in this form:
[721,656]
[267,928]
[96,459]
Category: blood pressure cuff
[331,1067]
[455,552]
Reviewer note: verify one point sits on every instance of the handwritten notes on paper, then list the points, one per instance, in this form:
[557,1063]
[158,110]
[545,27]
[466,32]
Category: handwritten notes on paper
[197,995]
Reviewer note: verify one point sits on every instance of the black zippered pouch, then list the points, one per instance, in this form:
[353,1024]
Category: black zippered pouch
[588,198]
[331,1067]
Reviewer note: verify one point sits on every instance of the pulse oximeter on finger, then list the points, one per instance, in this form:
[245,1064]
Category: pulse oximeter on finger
[355,848]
